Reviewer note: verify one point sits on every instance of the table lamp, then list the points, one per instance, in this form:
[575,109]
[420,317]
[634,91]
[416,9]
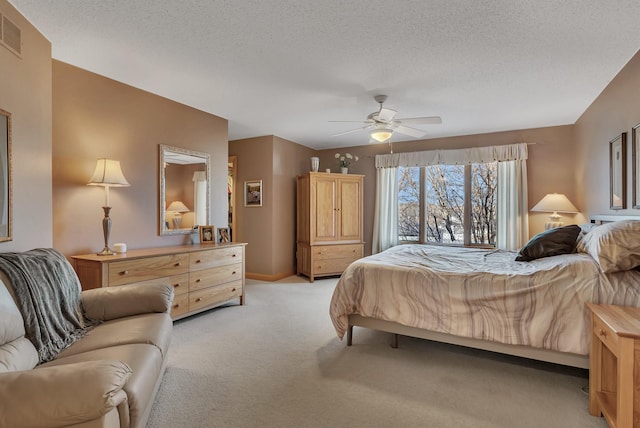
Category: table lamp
[555,203]
[177,207]
[107,174]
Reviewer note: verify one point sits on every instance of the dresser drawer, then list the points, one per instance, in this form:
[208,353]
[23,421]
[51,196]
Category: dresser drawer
[214,276]
[180,305]
[214,257]
[180,283]
[322,252]
[332,265]
[605,335]
[212,295]
[138,270]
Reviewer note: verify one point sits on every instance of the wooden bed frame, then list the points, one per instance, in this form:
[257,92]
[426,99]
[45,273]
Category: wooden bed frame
[564,358]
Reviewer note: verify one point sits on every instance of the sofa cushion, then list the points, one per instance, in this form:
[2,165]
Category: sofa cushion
[62,395]
[16,352]
[17,355]
[146,363]
[154,329]
[11,322]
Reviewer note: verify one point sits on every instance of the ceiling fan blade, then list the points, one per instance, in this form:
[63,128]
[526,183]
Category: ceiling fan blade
[350,121]
[350,131]
[412,132]
[432,120]
[386,115]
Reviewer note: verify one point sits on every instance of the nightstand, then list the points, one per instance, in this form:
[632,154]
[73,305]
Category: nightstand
[614,367]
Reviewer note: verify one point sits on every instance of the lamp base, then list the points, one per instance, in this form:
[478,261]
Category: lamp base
[106,251]
[106,230]
[553,224]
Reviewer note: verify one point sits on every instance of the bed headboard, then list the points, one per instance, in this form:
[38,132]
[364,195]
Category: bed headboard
[605,218]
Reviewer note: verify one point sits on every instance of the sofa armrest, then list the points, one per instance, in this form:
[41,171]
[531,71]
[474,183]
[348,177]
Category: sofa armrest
[126,300]
[62,395]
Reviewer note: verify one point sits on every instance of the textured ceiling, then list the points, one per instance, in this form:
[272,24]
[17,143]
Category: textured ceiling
[289,67]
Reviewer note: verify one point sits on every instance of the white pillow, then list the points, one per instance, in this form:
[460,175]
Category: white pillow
[614,246]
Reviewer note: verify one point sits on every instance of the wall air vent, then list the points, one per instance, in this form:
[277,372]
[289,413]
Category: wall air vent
[10,35]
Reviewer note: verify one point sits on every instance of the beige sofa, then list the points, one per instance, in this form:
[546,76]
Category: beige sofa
[108,378]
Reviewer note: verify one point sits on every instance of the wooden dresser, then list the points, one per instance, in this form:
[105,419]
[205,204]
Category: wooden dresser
[329,223]
[202,276]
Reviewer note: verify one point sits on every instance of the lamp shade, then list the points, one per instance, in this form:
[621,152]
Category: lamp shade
[109,174]
[555,202]
[381,134]
[178,207]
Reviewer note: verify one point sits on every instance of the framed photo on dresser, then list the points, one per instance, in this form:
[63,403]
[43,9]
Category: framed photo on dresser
[635,166]
[207,234]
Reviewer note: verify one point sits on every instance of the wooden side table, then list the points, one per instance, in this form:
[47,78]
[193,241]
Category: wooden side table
[614,368]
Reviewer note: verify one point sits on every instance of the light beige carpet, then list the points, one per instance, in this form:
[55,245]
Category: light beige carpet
[277,362]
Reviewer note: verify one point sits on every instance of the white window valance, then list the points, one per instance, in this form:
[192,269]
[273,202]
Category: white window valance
[508,152]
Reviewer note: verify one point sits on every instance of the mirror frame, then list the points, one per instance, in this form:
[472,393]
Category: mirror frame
[162,230]
[8,186]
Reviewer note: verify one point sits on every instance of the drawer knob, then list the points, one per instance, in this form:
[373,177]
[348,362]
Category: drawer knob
[233,273]
[177,305]
[233,255]
[177,264]
[198,261]
[124,272]
[603,333]
[233,289]
[198,280]
[198,299]
[176,285]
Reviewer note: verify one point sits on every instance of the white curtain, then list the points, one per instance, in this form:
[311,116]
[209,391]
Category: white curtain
[513,220]
[200,198]
[454,156]
[385,220]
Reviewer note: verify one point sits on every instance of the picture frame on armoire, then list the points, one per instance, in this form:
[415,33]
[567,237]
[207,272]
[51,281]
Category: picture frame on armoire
[618,172]
[635,165]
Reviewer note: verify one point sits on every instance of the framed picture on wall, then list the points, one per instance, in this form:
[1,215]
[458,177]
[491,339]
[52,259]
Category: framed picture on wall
[635,166]
[253,193]
[617,172]
[207,234]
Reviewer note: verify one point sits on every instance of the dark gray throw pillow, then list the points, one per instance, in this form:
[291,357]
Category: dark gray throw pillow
[552,242]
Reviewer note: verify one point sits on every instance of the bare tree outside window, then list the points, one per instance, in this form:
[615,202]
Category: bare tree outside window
[441,215]
[409,204]
[444,210]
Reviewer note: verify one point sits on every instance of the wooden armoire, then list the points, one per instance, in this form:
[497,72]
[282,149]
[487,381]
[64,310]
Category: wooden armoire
[329,223]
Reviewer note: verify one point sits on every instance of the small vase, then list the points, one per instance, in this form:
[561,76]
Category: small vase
[315,164]
[344,170]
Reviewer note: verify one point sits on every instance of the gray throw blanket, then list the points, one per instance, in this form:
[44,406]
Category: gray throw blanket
[47,292]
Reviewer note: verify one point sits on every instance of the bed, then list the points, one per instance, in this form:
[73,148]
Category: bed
[485,299]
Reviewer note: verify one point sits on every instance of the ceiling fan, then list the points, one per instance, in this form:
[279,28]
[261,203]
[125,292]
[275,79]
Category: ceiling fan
[383,123]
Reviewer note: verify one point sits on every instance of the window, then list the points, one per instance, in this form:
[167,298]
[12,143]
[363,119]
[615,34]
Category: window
[448,204]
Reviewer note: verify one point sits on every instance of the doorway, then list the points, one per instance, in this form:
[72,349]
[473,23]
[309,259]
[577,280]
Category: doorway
[231,192]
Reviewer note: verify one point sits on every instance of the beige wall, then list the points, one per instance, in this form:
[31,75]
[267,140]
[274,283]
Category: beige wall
[25,92]
[614,111]
[549,167]
[95,117]
[269,230]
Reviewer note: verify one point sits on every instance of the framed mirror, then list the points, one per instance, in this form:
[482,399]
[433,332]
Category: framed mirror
[6,214]
[184,190]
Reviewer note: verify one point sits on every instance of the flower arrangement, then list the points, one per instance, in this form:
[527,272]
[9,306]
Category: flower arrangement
[345,160]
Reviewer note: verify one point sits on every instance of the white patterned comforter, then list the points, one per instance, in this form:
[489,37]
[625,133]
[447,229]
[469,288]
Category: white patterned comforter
[483,294]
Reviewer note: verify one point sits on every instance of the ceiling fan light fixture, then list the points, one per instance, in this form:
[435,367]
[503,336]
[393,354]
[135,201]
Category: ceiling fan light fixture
[381,134]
